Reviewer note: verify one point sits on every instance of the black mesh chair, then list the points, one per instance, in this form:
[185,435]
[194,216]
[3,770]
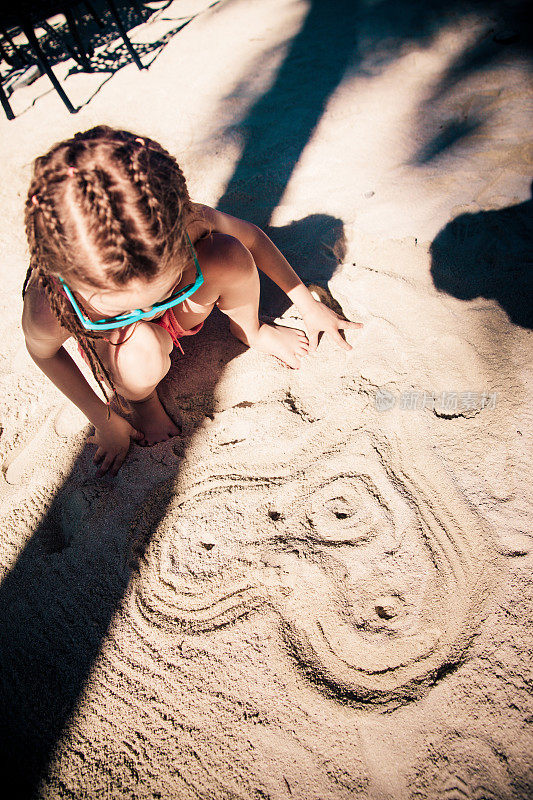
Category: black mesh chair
[26,15]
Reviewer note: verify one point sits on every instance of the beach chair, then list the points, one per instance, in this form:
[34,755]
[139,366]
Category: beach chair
[26,15]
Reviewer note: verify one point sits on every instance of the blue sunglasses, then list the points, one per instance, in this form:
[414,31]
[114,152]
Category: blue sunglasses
[129,317]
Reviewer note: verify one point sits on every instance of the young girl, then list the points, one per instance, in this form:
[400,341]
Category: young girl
[123,260]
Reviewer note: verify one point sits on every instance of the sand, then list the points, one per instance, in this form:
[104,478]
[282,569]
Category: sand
[322,590]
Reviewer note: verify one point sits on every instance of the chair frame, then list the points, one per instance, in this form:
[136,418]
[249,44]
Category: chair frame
[24,22]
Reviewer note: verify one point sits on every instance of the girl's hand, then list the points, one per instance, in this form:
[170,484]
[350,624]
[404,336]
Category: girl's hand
[113,442]
[318,317]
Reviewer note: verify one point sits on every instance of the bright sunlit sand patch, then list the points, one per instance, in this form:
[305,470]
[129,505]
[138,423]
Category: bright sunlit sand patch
[379,119]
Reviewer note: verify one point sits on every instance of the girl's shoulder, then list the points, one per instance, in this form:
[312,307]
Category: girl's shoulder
[38,320]
[212,220]
[201,221]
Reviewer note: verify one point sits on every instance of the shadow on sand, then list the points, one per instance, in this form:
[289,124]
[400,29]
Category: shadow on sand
[58,599]
[489,254]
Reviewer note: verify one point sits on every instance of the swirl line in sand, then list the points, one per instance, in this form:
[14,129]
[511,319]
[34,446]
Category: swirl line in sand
[375,564]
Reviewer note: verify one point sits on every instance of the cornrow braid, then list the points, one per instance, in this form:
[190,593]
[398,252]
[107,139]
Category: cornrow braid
[140,179]
[58,302]
[95,201]
[145,162]
[60,306]
[51,221]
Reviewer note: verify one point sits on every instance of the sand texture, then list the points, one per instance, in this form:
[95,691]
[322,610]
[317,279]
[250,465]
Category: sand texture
[322,590]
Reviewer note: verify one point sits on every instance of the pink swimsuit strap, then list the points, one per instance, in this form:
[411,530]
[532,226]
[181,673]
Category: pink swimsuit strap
[169,322]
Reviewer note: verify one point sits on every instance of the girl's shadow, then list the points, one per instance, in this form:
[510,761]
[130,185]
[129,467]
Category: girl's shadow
[59,597]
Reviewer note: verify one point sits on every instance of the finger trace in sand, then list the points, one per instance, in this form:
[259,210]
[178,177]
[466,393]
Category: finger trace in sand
[374,621]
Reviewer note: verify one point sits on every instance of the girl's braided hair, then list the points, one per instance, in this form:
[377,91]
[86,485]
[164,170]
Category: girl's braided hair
[105,207]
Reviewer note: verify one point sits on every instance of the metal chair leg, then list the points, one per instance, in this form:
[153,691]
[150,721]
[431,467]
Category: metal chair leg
[61,39]
[5,103]
[42,61]
[122,29]
[92,11]
[17,50]
[71,22]
[4,56]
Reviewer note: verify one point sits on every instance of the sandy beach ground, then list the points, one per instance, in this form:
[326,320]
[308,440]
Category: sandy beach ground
[322,590]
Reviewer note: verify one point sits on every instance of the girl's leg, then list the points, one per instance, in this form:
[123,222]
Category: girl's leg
[231,281]
[138,361]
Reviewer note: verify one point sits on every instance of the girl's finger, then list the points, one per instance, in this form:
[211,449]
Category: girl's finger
[345,323]
[98,456]
[137,435]
[342,342]
[118,462]
[313,341]
[104,466]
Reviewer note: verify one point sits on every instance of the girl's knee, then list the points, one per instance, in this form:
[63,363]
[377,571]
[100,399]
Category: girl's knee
[225,261]
[142,360]
[238,263]
[227,266]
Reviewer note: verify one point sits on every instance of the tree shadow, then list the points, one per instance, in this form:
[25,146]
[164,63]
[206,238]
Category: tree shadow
[505,35]
[318,57]
[489,254]
[316,61]
[339,39]
[349,38]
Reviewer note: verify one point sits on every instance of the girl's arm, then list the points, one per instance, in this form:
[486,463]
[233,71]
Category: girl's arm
[317,317]
[44,341]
